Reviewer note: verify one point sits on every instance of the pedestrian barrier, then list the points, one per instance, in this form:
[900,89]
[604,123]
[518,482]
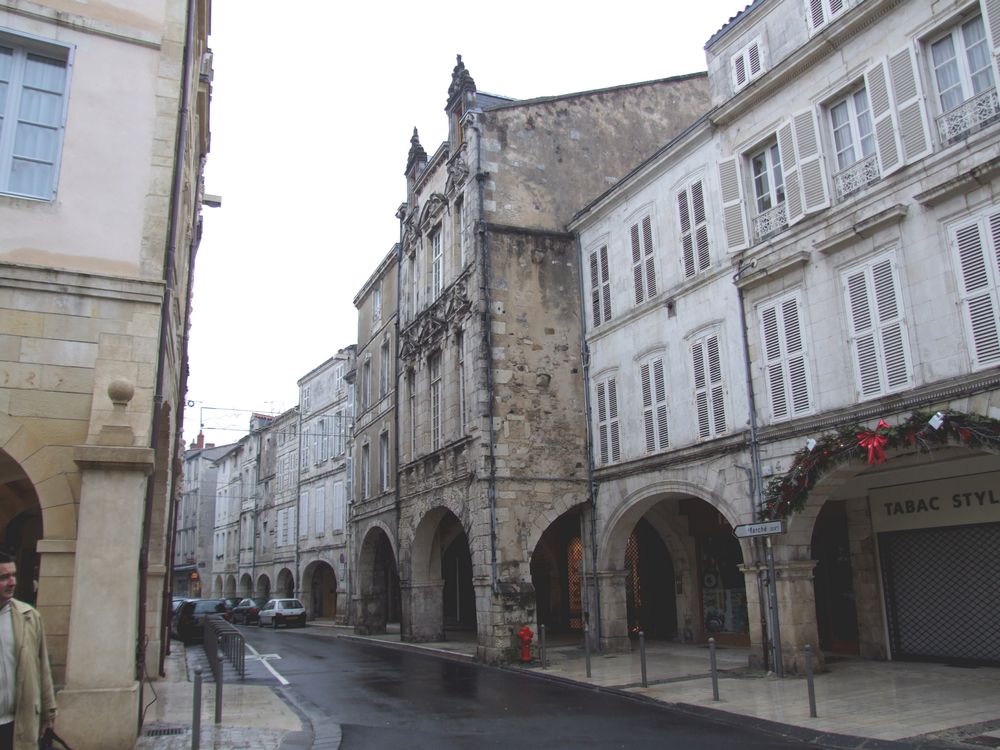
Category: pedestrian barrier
[223,639]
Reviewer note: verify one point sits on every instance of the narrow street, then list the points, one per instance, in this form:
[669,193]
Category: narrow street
[382,697]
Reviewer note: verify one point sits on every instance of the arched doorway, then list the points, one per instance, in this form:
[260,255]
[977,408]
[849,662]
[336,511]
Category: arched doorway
[650,603]
[556,575]
[263,589]
[833,581]
[320,581]
[20,525]
[286,584]
[246,586]
[442,593]
[217,589]
[230,590]
[379,592]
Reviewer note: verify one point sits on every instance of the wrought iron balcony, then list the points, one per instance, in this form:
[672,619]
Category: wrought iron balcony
[859,175]
[969,116]
[770,222]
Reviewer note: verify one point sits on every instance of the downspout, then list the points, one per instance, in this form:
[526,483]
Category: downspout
[591,485]
[756,485]
[484,289]
[168,289]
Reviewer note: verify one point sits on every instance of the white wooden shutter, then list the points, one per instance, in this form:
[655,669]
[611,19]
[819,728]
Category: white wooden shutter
[694,229]
[890,317]
[911,111]
[700,390]
[320,503]
[648,255]
[739,70]
[660,404]
[976,246]
[785,358]
[338,506]
[304,513]
[859,305]
[709,388]
[991,17]
[812,175]
[595,290]
[815,14]
[615,438]
[648,419]
[794,209]
[715,382]
[887,145]
[733,208]
[602,422]
[654,405]
[637,264]
[687,236]
[643,268]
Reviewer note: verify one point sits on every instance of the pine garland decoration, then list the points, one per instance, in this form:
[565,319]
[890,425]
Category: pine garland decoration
[788,493]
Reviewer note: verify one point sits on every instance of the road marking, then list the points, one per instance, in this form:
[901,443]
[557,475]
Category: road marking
[263,659]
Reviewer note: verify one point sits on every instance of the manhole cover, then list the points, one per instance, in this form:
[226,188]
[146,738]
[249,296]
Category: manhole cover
[164,732]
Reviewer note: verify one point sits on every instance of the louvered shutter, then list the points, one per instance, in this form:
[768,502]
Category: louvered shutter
[648,418]
[991,16]
[863,331]
[700,390]
[895,349]
[794,210]
[754,59]
[733,208]
[815,14]
[613,420]
[911,112]
[740,70]
[812,175]
[709,388]
[687,236]
[978,263]
[718,392]
[605,284]
[660,404]
[647,250]
[637,265]
[700,221]
[595,289]
[773,363]
[798,377]
[887,145]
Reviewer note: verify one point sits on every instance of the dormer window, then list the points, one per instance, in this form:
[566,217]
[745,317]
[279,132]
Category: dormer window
[748,64]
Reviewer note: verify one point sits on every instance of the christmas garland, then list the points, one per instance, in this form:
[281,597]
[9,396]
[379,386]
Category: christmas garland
[787,494]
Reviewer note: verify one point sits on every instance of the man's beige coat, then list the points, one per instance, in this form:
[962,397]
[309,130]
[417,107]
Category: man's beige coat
[34,694]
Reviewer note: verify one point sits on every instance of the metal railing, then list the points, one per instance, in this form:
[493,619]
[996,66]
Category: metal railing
[969,116]
[223,640]
[859,175]
[770,222]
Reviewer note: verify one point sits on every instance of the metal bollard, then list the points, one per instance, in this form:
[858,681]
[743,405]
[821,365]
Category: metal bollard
[196,718]
[642,657]
[715,672]
[541,646]
[586,645]
[809,681]
[218,695]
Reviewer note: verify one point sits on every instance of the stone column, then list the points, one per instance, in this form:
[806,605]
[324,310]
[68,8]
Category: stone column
[423,611]
[797,614]
[614,611]
[755,609]
[99,706]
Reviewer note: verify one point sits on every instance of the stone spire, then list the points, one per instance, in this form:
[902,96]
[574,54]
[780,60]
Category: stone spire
[417,155]
[462,85]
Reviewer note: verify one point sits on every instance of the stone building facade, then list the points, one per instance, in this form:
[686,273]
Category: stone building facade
[94,297]
[491,450]
[814,339]
[195,525]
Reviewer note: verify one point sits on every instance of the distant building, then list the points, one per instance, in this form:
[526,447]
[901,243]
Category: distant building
[100,209]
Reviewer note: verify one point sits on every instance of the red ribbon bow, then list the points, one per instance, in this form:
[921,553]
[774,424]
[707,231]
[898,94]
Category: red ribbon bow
[874,443]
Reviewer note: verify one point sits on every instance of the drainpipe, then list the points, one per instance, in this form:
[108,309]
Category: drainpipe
[484,289]
[756,485]
[168,290]
[591,484]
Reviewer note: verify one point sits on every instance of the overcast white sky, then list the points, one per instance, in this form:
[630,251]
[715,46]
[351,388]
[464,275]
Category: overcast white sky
[312,112]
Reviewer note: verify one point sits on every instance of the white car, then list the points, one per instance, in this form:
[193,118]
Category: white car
[287,612]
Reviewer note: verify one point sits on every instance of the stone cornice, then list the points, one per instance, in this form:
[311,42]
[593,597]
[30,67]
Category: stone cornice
[78,22]
[37,278]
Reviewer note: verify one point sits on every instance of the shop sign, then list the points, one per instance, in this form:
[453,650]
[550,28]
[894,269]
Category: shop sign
[956,501]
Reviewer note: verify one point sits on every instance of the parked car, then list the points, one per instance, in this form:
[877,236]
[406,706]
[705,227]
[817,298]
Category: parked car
[285,612]
[189,622]
[246,610]
[174,606]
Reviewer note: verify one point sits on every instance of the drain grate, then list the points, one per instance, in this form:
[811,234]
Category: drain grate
[164,732]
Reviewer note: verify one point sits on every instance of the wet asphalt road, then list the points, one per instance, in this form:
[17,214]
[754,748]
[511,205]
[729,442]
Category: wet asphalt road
[386,698]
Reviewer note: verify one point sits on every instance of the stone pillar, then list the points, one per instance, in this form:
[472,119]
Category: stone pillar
[509,609]
[423,611]
[755,610]
[864,571]
[99,705]
[614,611]
[797,614]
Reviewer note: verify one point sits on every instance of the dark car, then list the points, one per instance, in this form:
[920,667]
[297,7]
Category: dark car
[246,610]
[189,622]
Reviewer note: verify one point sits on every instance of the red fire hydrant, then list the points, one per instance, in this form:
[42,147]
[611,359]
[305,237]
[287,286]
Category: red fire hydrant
[525,634]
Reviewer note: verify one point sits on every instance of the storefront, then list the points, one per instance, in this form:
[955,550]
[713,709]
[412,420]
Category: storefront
[939,561]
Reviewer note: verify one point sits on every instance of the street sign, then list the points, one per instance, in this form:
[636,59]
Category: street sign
[767,528]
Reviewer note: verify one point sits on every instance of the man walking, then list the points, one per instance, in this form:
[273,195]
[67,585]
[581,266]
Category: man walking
[27,700]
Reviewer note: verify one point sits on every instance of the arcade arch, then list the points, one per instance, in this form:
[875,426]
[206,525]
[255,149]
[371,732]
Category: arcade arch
[319,587]
[379,600]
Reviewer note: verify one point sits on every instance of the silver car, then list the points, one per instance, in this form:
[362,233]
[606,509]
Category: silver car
[287,612]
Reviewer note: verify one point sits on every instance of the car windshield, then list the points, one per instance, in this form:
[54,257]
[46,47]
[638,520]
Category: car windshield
[209,605]
[291,604]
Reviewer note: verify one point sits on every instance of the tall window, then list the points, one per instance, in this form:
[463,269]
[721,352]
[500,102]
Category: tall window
[383,461]
[851,120]
[32,104]
[377,303]
[460,356]
[437,264]
[366,384]
[460,231]
[608,437]
[411,388]
[785,357]
[384,370]
[365,469]
[304,513]
[654,405]
[961,62]
[709,388]
[878,329]
[600,286]
[320,503]
[694,228]
[434,367]
[768,184]
[643,267]
[976,244]
[337,523]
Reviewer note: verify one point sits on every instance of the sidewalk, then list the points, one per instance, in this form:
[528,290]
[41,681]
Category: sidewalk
[859,703]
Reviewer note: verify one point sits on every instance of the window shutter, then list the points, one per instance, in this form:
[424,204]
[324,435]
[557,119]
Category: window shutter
[790,171]
[733,209]
[862,330]
[979,296]
[687,236]
[812,175]
[647,408]
[739,70]
[605,283]
[991,16]
[773,362]
[660,402]
[914,128]
[718,392]
[794,344]
[637,269]
[602,422]
[887,145]
[709,389]
[754,59]
[304,513]
[700,225]
[893,334]
[595,290]
[814,11]
[647,247]
[613,420]
[320,510]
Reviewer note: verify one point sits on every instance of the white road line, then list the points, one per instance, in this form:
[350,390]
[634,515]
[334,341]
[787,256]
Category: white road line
[263,659]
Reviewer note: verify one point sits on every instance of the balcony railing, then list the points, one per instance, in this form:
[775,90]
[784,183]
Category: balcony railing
[969,117]
[856,177]
[770,222]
